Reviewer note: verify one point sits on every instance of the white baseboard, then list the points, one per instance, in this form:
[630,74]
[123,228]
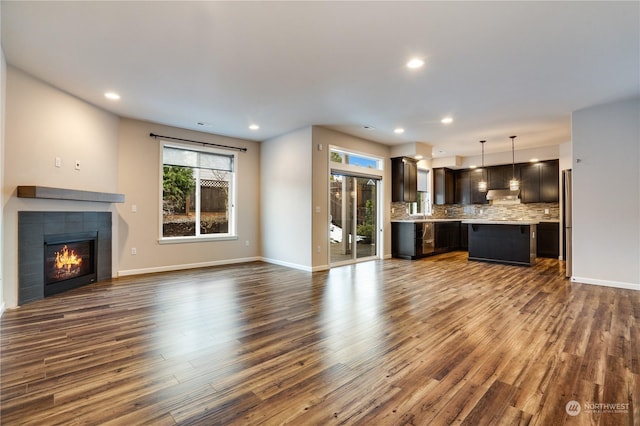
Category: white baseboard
[295,265]
[129,272]
[605,283]
[169,268]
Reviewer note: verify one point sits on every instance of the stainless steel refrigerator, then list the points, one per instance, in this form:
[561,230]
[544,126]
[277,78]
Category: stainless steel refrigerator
[567,220]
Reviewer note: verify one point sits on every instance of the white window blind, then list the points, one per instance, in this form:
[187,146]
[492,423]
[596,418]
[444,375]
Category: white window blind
[197,159]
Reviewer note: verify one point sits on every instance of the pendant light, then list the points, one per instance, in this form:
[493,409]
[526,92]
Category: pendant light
[514,184]
[482,185]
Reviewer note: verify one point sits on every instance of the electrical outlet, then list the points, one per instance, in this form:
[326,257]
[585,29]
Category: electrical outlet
[134,250]
[58,162]
[546,211]
[246,243]
[134,208]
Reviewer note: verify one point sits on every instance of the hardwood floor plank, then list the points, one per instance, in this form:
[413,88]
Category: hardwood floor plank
[435,341]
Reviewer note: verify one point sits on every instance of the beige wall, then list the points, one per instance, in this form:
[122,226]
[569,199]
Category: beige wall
[543,153]
[286,179]
[326,138]
[295,191]
[139,178]
[42,123]
[3,85]
[116,155]
[606,194]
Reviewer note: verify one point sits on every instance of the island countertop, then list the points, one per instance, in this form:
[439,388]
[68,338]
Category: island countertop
[422,220]
[500,222]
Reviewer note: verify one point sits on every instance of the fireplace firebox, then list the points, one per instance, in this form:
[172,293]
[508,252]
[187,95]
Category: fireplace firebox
[69,261]
[58,251]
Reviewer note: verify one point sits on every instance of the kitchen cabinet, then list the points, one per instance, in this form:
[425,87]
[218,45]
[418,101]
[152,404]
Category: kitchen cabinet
[411,240]
[464,236]
[548,244]
[550,182]
[475,177]
[463,187]
[444,186]
[466,187]
[499,176]
[404,180]
[540,182]
[530,183]
[447,236]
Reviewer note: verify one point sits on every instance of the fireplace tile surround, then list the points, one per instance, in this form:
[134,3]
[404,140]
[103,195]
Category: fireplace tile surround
[33,226]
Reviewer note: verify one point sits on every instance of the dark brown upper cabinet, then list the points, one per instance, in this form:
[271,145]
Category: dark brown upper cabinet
[466,187]
[499,176]
[444,186]
[540,182]
[404,180]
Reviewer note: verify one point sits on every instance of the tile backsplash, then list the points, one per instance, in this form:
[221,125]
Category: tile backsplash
[529,211]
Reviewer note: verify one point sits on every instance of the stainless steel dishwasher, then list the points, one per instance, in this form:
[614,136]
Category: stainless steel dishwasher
[428,243]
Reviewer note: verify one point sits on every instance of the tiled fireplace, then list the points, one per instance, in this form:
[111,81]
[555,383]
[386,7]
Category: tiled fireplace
[58,251]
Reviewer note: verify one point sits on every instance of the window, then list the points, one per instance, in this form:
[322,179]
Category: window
[423,205]
[358,160]
[198,193]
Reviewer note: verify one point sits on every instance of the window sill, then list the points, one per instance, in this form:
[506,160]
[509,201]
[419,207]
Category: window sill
[181,240]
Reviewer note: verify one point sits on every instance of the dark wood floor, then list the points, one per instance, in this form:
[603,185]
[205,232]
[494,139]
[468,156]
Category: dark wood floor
[435,341]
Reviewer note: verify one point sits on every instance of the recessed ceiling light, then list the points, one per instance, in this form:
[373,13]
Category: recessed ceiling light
[415,63]
[534,160]
[473,166]
[399,131]
[112,95]
[368,127]
[447,120]
[254,127]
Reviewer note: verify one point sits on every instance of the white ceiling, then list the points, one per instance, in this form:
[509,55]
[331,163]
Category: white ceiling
[498,68]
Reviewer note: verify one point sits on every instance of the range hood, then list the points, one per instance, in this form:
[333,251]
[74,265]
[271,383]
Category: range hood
[503,196]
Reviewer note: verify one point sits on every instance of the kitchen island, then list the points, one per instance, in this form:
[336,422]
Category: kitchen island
[502,241]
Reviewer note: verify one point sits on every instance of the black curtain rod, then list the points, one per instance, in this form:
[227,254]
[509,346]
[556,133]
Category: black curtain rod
[153,135]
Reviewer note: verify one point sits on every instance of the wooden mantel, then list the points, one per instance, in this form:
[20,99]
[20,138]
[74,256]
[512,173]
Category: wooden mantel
[68,194]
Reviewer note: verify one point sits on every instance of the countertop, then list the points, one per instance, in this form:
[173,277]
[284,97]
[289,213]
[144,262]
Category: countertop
[500,222]
[425,220]
[480,221]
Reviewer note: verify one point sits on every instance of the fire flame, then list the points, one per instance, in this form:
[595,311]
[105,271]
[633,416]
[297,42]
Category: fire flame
[67,259]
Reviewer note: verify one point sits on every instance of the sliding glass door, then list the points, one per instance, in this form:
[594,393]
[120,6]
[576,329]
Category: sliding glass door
[353,229]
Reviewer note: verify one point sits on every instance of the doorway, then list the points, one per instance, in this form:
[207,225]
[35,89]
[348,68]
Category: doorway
[353,225]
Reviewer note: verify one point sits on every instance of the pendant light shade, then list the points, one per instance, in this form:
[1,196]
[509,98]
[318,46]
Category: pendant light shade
[514,184]
[482,185]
